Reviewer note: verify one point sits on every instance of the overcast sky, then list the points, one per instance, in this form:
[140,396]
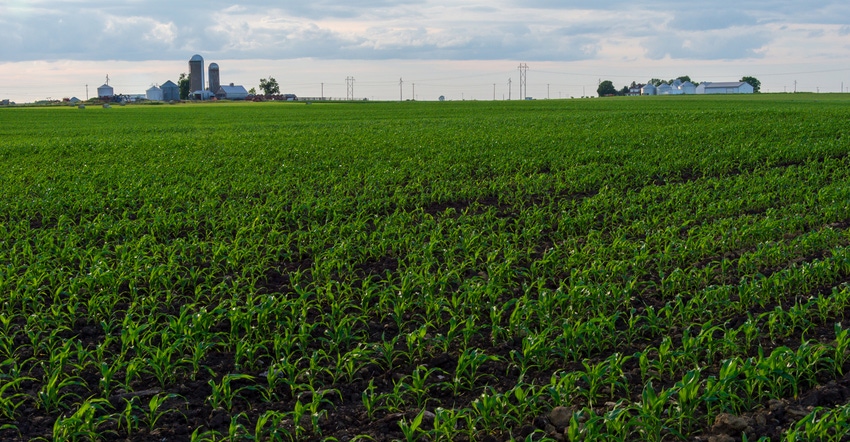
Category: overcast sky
[460,49]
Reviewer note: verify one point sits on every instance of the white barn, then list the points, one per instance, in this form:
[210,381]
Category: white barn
[725,87]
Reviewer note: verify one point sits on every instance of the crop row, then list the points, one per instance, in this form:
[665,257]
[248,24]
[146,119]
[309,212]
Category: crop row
[397,272]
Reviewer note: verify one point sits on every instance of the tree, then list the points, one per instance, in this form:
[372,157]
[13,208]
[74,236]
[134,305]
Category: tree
[606,88]
[183,85]
[252,91]
[754,82]
[269,86]
[655,82]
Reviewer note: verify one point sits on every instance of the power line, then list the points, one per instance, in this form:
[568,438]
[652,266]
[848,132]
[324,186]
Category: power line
[523,81]
[349,88]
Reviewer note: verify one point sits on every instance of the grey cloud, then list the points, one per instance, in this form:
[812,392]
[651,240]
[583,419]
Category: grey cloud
[716,45]
[704,20]
[160,29]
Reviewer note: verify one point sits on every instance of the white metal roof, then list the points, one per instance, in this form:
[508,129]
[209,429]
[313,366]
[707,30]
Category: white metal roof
[724,84]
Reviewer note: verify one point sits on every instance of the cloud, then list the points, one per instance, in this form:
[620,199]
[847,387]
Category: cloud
[407,29]
[724,44]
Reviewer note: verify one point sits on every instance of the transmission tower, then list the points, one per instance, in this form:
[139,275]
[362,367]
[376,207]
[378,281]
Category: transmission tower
[523,78]
[349,88]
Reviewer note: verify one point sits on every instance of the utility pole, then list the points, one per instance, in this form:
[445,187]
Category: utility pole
[494,91]
[523,81]
[87,92]
[509,89]
[795,86]
[400,94]
[323,91]
[547,91]
[413,91]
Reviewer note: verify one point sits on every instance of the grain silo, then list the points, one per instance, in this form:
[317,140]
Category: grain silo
[196,74]
[105,91]
[154,93]
[170,91]
[214,78]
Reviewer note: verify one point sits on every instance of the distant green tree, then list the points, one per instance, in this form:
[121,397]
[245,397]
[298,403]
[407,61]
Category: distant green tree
[183,85]
[606,88]
[269,86]
[655,82]
[754,82]
[252,91]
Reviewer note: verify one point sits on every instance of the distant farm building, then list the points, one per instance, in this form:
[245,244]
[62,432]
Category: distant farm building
[196,75]
[664,89]
[105,91]
[730,87]
[154,94]
[214,77]
[170,91]
[232,92]
[688,88]
[679,87]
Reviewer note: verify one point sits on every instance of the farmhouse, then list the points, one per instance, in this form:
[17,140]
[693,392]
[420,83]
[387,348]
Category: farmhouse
[728,87]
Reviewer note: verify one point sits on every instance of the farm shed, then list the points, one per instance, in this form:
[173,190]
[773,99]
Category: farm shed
[232,92]
[170,91]
[154,94]
[728,87]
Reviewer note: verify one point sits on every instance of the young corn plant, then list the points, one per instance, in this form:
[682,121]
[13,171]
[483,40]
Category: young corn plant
[411,429]
[10,398]
[84,423]
[466,374]
[269,427]
[53,395]
[223,394]
[651,419]
[154,411]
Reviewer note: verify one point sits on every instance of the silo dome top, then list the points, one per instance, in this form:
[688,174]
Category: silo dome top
[197,57]
[213,65]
